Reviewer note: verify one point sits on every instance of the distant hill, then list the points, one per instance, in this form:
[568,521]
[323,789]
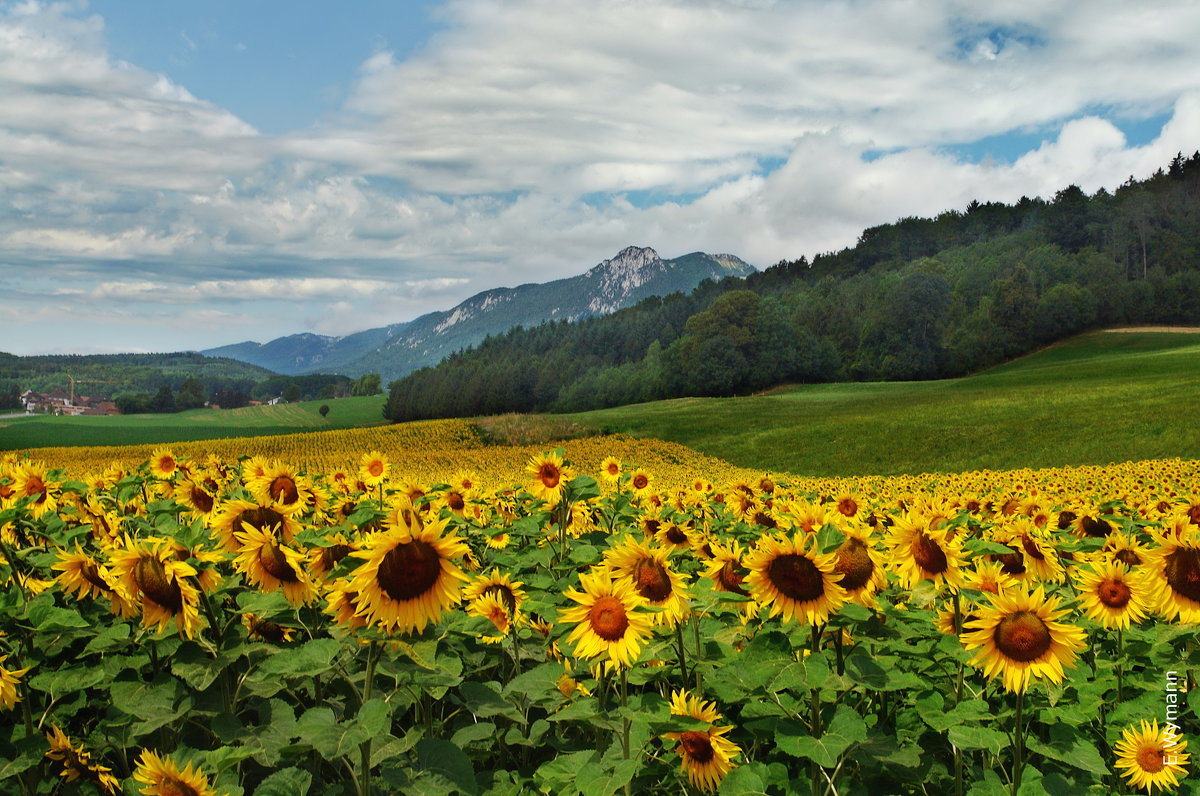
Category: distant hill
[113,374]
[392,351]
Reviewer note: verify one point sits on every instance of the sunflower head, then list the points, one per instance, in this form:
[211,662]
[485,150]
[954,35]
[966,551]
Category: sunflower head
[706,756]
[1151,756]
[607,618]
[163,777]
[791,578]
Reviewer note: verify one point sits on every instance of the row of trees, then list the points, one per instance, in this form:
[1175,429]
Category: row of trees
[918,299]
[192,394]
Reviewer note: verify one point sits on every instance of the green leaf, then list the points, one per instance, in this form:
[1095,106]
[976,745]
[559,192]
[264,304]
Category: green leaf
[484,701]
[1072,748]
[375,717]
[67,681]
[471,733]
[310,658]
[318,728]
[107,638]
[537,683]
[45,616]
[442,757]
[743,781]
[978,738]
[845,730]
[287,782]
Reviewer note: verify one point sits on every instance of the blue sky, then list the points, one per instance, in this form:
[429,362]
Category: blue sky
[186,175]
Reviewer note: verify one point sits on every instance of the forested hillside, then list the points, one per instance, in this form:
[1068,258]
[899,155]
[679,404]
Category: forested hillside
[916,299]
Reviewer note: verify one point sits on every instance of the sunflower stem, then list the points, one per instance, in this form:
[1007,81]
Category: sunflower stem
[625,723]
[1120,666]
[364,785]
[1019,744]
[699,653]
[682,654]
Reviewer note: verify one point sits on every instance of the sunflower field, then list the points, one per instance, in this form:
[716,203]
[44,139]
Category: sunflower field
[430,616]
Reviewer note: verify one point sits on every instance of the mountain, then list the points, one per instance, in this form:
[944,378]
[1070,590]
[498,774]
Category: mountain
[392,351]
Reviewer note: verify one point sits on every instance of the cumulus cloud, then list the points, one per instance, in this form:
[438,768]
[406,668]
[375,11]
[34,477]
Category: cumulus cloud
[528,141]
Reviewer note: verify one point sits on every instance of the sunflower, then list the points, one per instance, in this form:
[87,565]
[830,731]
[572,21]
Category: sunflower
[987,576]
[148,568]
[200,497]
[847,504]
[726,568]
[1114,596]
[235,514]
[1176,568]
[672,536]
[266,630]
[1125,548]
[164,778]
[271,566]
[706,756]
[499,585]
[640,482]
[1040,560]
[373,468]
[610,469]
[920,552]
[31,481]
[792,579]
[1019,637]
[341,603]
[549,477]
[491,608]
[322,560]
[84,576]
[77,762]
[1151,756]
[607,619]
[281,488]
[408,577]
[860,566]
[163,464]
[648,571]
[8,685]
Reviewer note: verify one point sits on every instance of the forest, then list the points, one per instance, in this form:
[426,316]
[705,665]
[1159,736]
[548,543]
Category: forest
[920,298]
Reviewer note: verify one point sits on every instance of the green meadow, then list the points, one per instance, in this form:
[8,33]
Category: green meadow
[38,431]
[1097,398]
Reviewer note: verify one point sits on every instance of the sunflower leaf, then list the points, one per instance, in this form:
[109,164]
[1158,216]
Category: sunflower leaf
[845,730]
[286,782]
[1067,747]
[978,738]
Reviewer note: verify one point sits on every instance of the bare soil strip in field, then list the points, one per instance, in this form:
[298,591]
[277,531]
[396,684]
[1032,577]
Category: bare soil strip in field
[1178,329]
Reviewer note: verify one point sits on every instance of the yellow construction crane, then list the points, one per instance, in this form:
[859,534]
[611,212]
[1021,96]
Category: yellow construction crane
[75,381]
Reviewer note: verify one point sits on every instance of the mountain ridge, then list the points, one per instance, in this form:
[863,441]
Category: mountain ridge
[634,273]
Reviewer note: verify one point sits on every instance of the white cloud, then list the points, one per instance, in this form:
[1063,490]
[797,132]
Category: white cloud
[522,141]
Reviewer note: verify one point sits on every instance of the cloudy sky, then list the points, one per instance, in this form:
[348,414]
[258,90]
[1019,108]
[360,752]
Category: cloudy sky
[185,175]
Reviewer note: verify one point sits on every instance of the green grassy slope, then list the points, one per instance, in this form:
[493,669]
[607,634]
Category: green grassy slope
[1094,399]
[41,431]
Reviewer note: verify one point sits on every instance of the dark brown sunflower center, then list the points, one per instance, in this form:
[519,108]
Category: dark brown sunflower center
[272,559]
[375,468]
[652,580]
[608,619]
[697,746]
[269,631]
[1065,518]
[549,475]
[640,481]
[796,576]
[166,464]
[284,489]
[331,555]
[650,526]
[1032,548]
[409,570]
[92,575]
[929,555]
[1193,513]
[675,535]
[152,579]
[847,507]
[1012,563]
[504,595]
[854,562]
[173,787]
[1128,557]
[455,501]
[1022,636]
[761,518]
[1182,572]
[1113,593]
[202,500]
[260,518]
[1095,528]
[34,486]
[730,579]
[1150,759]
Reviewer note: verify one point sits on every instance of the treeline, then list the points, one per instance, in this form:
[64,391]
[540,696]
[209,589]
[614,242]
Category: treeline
[288,389]
[175,382]
[917,299]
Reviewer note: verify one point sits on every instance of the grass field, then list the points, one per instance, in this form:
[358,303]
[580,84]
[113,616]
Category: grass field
[1097,398]
[39,431]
